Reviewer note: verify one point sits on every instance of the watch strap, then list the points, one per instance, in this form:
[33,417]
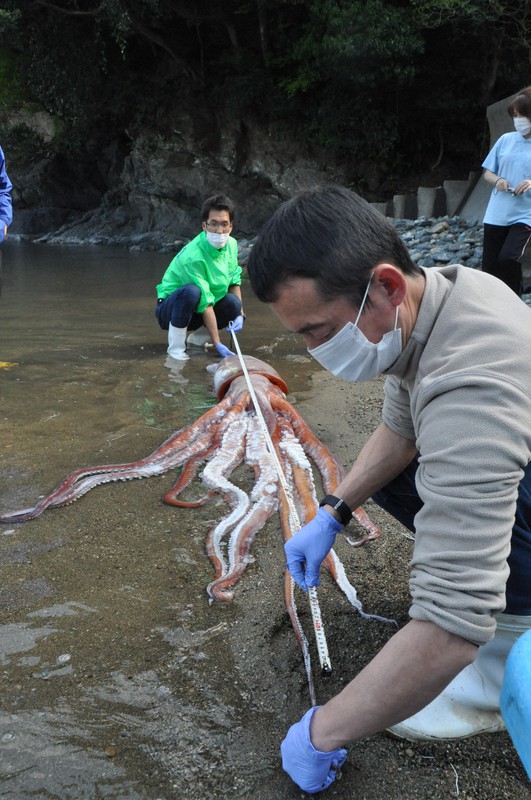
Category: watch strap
[345,514]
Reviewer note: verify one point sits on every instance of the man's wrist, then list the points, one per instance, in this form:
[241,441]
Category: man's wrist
[340,510]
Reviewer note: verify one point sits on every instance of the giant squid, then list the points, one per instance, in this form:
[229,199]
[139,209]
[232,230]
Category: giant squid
[226,435]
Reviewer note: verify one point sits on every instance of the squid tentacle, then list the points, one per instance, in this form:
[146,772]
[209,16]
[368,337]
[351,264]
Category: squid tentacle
[227,459]
[242,539]
[180,446]
[193,463]
[286,521]
[221,439]
[291,604]
[331,471]
[301,472]
[373,531]
[187,475]
[303,481]
[80,481]
[264,504]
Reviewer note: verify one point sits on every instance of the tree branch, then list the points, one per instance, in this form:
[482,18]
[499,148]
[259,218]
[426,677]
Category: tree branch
[154,38]
[71,12]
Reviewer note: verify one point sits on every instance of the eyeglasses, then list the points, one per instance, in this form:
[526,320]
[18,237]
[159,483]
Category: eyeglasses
[216,225]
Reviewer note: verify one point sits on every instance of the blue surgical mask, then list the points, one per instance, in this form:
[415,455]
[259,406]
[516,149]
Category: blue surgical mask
[351,356]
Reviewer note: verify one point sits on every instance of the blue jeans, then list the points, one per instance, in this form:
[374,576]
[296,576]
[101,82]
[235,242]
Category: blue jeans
[400,499]
[179,308]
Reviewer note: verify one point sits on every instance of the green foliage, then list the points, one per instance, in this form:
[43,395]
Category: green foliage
[9,19]
[344,72]
[374,83]
[508,16]
[11,94]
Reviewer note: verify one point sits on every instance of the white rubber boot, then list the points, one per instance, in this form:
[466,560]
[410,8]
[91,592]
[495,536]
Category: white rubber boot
[177,343]
[200,337]
[470,704]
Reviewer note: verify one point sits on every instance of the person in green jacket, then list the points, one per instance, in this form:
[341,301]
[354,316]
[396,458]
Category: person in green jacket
[200,292]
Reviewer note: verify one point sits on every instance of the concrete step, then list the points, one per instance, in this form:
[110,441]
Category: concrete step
[438,201]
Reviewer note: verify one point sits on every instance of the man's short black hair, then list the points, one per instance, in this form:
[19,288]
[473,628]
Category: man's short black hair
[328,234]
[218,202]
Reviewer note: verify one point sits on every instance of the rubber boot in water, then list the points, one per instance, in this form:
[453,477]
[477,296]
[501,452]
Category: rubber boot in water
[177,343]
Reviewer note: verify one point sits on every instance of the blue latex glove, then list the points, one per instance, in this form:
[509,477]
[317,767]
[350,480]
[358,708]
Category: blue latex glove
[310,546]
[223,351]
[237,324]
[311,769]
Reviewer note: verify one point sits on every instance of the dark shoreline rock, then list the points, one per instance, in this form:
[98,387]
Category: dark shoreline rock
[432,241]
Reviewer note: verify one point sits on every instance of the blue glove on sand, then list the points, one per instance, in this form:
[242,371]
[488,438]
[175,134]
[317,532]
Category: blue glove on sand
[223,351]
[310,546]
[309,768]
[237,324]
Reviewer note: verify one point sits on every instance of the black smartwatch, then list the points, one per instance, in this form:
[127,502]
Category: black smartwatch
[345,514]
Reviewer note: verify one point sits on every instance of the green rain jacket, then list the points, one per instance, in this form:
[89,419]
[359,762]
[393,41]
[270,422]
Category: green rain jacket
[211,269]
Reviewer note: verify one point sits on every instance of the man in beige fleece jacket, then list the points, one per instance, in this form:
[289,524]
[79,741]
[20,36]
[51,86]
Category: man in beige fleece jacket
[450,460]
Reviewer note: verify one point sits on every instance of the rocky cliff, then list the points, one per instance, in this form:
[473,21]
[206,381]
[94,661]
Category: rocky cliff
[148,196]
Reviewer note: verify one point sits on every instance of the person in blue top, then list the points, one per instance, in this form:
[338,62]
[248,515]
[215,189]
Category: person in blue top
[507,222]
[200,292]
[6,207]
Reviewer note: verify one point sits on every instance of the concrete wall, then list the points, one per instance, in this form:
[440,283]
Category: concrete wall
[467,198]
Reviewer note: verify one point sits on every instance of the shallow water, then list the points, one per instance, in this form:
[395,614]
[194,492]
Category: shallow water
[88,359]
[115,671]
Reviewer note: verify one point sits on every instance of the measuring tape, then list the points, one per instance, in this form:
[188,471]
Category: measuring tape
[320,638]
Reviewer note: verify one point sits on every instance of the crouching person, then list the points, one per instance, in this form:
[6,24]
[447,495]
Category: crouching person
[450,459]
[200,292]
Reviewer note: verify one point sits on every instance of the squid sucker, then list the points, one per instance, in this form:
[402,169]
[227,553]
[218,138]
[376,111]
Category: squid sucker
[224,437]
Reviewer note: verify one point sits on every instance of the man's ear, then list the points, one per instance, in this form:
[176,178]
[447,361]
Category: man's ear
[392,280]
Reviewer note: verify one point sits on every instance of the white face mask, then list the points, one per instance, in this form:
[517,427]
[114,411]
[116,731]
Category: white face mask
[522,125]
[217,240]
[350,355]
